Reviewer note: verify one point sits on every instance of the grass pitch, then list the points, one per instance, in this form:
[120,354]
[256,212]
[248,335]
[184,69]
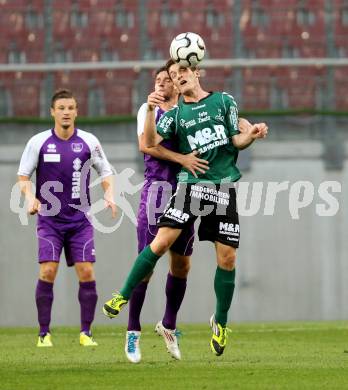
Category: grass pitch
[258,356]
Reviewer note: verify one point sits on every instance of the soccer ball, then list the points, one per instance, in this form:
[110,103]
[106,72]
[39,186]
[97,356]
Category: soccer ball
[187,49]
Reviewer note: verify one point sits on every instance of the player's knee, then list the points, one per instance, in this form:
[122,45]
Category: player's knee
[48,273]
[164,240]
[86,274]
[227,258]
[161,245]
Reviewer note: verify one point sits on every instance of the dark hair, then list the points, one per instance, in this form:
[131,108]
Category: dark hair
[62,93]
[159,70]
[171,62]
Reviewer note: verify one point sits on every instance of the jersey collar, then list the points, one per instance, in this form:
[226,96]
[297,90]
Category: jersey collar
[199,101]
[64,140]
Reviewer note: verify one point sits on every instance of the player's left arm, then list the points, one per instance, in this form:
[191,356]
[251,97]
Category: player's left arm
[243,125]
[243,140]
[109,194]
[242,131]
[101,164]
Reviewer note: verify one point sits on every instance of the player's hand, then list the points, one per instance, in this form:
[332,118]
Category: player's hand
[155,99]
[194,164]
[110,204]
[34,205]
[258,130]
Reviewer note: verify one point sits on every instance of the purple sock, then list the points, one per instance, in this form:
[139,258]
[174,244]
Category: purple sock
[44,300]
[175,291]
[136,302]
[88,300]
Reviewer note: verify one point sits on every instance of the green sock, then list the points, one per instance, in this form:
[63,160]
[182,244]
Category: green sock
[224,288]
[143,265]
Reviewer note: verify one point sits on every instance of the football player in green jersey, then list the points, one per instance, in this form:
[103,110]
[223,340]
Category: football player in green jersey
[205,122]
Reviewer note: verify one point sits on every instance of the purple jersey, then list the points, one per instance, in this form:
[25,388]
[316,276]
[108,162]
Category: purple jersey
[63,172]
[156,169]
[154,198]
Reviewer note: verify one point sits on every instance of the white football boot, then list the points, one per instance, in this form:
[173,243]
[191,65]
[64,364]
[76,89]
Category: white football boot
[171,339]
[132,347]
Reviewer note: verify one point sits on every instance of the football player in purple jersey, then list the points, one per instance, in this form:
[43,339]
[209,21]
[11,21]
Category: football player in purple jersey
[162,164]
[61,157]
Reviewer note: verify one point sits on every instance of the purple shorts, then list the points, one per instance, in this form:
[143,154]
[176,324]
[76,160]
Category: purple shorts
[77,239]
[152,205]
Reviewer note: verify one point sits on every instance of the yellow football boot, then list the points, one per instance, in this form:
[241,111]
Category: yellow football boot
[45,341]
[87,340]
[112,307]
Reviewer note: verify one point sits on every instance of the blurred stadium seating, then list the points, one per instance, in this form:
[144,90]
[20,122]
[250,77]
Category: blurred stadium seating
[119,30]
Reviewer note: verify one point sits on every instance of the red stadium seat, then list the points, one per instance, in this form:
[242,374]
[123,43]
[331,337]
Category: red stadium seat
[109,30]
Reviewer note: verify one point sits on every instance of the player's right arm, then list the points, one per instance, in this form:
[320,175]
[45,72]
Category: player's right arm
[27,166]
[25,185]
[151,137]
[189,161]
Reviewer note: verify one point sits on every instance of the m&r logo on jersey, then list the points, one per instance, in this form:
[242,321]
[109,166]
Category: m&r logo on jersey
[77,147]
